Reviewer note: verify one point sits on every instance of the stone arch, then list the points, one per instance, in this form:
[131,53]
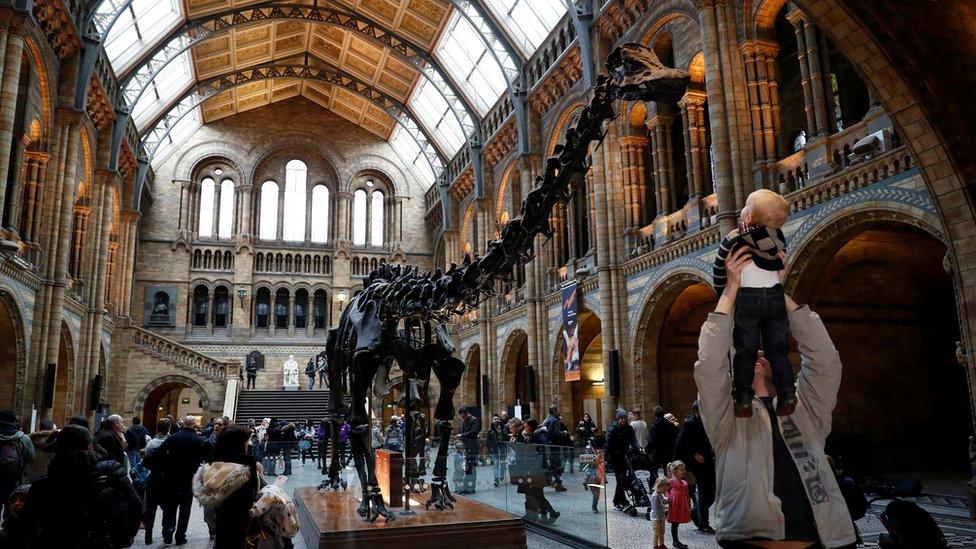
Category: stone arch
[139,401]
[569,114]
[515,342]
[878,281]
[815,248]
[647,332]
[309,143]
[191,159]
[467,218]
[762,16]
[662,15]
[387,169]
[47,100]
[472,377]
[503,185]
[18,358]
[64,379]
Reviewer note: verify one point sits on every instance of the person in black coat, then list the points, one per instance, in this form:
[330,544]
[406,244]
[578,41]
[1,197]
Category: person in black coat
[233,510]
[694,448]
[621,440]
[110,437]
[468,433]
[178,457]
[558,436]
[69,508]
[660,441]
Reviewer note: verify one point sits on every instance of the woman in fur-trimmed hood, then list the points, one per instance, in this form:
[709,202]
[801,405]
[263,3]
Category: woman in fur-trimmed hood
[229,482]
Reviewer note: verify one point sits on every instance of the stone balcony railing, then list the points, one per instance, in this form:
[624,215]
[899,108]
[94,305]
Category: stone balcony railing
[184,357]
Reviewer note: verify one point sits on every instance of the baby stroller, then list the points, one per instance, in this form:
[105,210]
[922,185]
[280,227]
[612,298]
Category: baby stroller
[638,481]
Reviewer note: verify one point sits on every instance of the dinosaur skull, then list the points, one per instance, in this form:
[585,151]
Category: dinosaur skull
[639,76]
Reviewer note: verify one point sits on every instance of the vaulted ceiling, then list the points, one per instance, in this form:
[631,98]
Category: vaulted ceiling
[328,45]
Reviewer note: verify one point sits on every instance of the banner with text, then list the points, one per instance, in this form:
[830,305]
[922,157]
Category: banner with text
[571,333]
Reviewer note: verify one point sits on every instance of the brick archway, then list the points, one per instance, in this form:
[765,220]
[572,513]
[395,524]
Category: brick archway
[170,380]
[15,353]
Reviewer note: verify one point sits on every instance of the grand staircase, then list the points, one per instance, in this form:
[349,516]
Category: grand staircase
[289,405]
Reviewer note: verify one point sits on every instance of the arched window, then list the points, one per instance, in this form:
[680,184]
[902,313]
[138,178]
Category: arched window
[294,220]
[320,214]
[201,305]
[319,310]
[269,211]
[226,219]
[281,308]
[221,310]
[301,308]
[359,218]
[376,221]
[262,308]
[207,190]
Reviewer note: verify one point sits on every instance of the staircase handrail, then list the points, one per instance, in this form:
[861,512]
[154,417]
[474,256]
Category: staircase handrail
[184,356]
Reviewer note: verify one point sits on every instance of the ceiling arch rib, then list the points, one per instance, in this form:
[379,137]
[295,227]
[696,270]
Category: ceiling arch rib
[207,89]
[140,79]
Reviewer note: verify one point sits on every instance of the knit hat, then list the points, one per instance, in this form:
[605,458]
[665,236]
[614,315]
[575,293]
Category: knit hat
[621,413]
[74,437]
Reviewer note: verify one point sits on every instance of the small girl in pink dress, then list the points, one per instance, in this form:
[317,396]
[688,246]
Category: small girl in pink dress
[679,504]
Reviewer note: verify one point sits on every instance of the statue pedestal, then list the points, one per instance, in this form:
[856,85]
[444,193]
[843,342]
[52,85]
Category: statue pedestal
[389,475]
[328,521]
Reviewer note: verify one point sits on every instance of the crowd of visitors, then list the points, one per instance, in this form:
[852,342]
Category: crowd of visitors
[69,488]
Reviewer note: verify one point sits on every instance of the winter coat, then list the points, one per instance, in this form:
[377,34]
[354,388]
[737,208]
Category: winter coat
[113,445]
[11,433]
[38,467]
[276,512]
[585,431]
[230,489]
[660,440]
[745,505]
[59,505]
[178,457]
[135,437]
[620,440]
[468,433]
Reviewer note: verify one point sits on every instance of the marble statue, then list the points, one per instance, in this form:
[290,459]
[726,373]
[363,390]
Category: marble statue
[291,372]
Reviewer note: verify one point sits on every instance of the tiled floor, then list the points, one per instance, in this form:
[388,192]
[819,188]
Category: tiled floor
[617,530]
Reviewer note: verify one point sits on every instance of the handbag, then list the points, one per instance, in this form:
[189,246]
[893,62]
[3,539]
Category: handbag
[305,445]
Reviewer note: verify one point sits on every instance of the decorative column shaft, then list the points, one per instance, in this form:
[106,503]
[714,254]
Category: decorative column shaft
[8,106]
[798,20]
[816,78]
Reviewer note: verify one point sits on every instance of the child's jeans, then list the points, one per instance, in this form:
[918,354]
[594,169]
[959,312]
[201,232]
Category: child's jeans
[761,323]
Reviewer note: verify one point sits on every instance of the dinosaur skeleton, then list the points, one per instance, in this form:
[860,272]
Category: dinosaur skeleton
[401,314]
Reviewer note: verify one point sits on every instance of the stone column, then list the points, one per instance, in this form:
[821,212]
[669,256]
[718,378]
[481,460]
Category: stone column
[215,218]
[8,105]
[280,230]
[816,78]
[342,218]
[693,109]
[245,191]
[719,115]
[291,314]
[132,233]
[80,225]
[32,180]
[660,128]
[308,213]
[798,20]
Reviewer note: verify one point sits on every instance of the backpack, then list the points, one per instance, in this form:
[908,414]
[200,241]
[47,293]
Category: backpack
[909,526]
[11,465]
[108,516]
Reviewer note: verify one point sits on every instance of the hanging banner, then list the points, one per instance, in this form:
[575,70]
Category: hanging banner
[571,333]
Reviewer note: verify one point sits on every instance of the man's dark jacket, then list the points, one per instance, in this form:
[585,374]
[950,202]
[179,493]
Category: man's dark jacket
[468,434]
[661,439]
[109,441]
[178,457]
[135,437]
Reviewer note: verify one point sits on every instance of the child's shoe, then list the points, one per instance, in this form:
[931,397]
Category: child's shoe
[743,405]
[786,404]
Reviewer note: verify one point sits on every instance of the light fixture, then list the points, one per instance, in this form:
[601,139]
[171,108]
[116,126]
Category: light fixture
[341,298]
[219,171]
[241,294]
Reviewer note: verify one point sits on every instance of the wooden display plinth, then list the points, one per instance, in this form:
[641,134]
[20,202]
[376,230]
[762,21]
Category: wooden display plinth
[328,520]
[389,475]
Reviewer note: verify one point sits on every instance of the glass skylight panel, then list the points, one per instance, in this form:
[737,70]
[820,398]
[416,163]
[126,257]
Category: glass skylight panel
[528,22]
[436,116]
[410,154]
[174,79]
[181,131]
[465,56]
[138,28]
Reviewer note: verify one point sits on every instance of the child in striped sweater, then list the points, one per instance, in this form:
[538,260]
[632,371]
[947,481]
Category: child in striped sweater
[760,304]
